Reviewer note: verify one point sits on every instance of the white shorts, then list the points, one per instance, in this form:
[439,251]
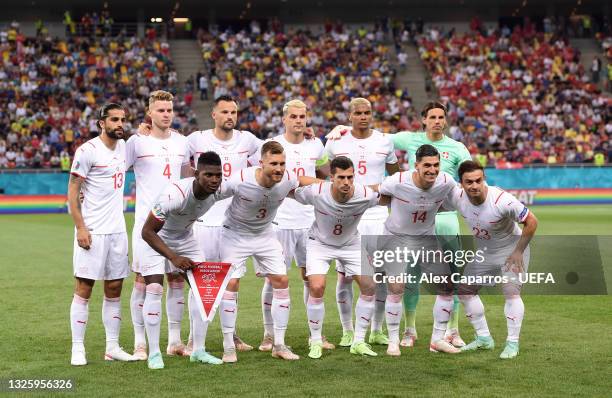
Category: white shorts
[366,227]
[496,265]
[264,247]
[209,240]
[294,243]
[153,263]
[320,255]
[418,255]
[106,259]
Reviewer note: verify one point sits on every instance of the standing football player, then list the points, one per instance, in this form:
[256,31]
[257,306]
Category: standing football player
[100,242]
[494,215]
[160,157]
[372,154]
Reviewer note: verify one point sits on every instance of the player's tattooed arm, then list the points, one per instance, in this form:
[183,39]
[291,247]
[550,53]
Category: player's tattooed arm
[384,200]
[74,204]
[392,168]
[149,234]
[514,262]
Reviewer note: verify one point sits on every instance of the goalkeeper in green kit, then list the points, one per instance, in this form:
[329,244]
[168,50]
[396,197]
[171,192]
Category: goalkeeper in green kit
[452,154]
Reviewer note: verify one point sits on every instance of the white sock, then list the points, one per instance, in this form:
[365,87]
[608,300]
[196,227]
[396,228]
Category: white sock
[111,318]
[175,303]
[363,315]
[200,327]
[151,311]
[315,310]
[190,305]
[136,303]
[266,308]
[379,307]
[344,298]
[280,314]
[306,292]
[443,307]
[514,309]
[229,312]
[393,311]
[475,313]
[79,314]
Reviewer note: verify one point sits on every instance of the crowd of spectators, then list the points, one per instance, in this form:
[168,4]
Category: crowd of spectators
[518,96]
[50,89]
[263,69]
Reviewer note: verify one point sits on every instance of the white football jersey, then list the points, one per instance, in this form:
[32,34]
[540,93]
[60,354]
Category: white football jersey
[104,172]
[370,156]
[178,208]
[413,210]
[253,207]
[336,223]
[156,163]
[494,222]
[234,154]
[300,160]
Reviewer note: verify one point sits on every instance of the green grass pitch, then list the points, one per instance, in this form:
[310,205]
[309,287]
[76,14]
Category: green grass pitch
[565,345]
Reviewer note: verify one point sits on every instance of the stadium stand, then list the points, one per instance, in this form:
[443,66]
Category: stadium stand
[51,87]
[518,96]
[264,69]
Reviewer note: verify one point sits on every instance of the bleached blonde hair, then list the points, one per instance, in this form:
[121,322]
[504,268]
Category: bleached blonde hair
[358,101]
[296,103]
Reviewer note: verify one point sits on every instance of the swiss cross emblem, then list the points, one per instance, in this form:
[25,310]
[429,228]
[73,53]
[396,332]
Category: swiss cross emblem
[445,155]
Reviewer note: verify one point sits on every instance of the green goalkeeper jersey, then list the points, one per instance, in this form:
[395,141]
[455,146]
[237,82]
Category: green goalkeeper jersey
[452,153]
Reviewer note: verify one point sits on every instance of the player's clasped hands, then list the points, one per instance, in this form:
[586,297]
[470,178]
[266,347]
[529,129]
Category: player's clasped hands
[514,263]
[84,237]
[183,263]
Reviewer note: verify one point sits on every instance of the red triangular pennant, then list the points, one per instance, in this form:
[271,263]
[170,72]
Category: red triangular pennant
[208,281]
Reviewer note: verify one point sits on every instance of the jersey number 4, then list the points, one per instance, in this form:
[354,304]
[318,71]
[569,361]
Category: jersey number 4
[167,172]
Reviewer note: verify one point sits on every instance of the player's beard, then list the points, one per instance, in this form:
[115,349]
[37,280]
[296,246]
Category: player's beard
[228,126]
[116,134]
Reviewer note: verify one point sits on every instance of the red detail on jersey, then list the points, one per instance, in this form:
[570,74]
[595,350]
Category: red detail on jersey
[288,176]
[90,143]
[241,176]
[365,192]
[77,175]
[322,212]
[400,176]
[342,154]
[240,153]
[100,167]
[320,188]
[461,194]
[383,153]
[495,222]
[500,195]
[179,188]
[445,178]
[403,200]
[144,156]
